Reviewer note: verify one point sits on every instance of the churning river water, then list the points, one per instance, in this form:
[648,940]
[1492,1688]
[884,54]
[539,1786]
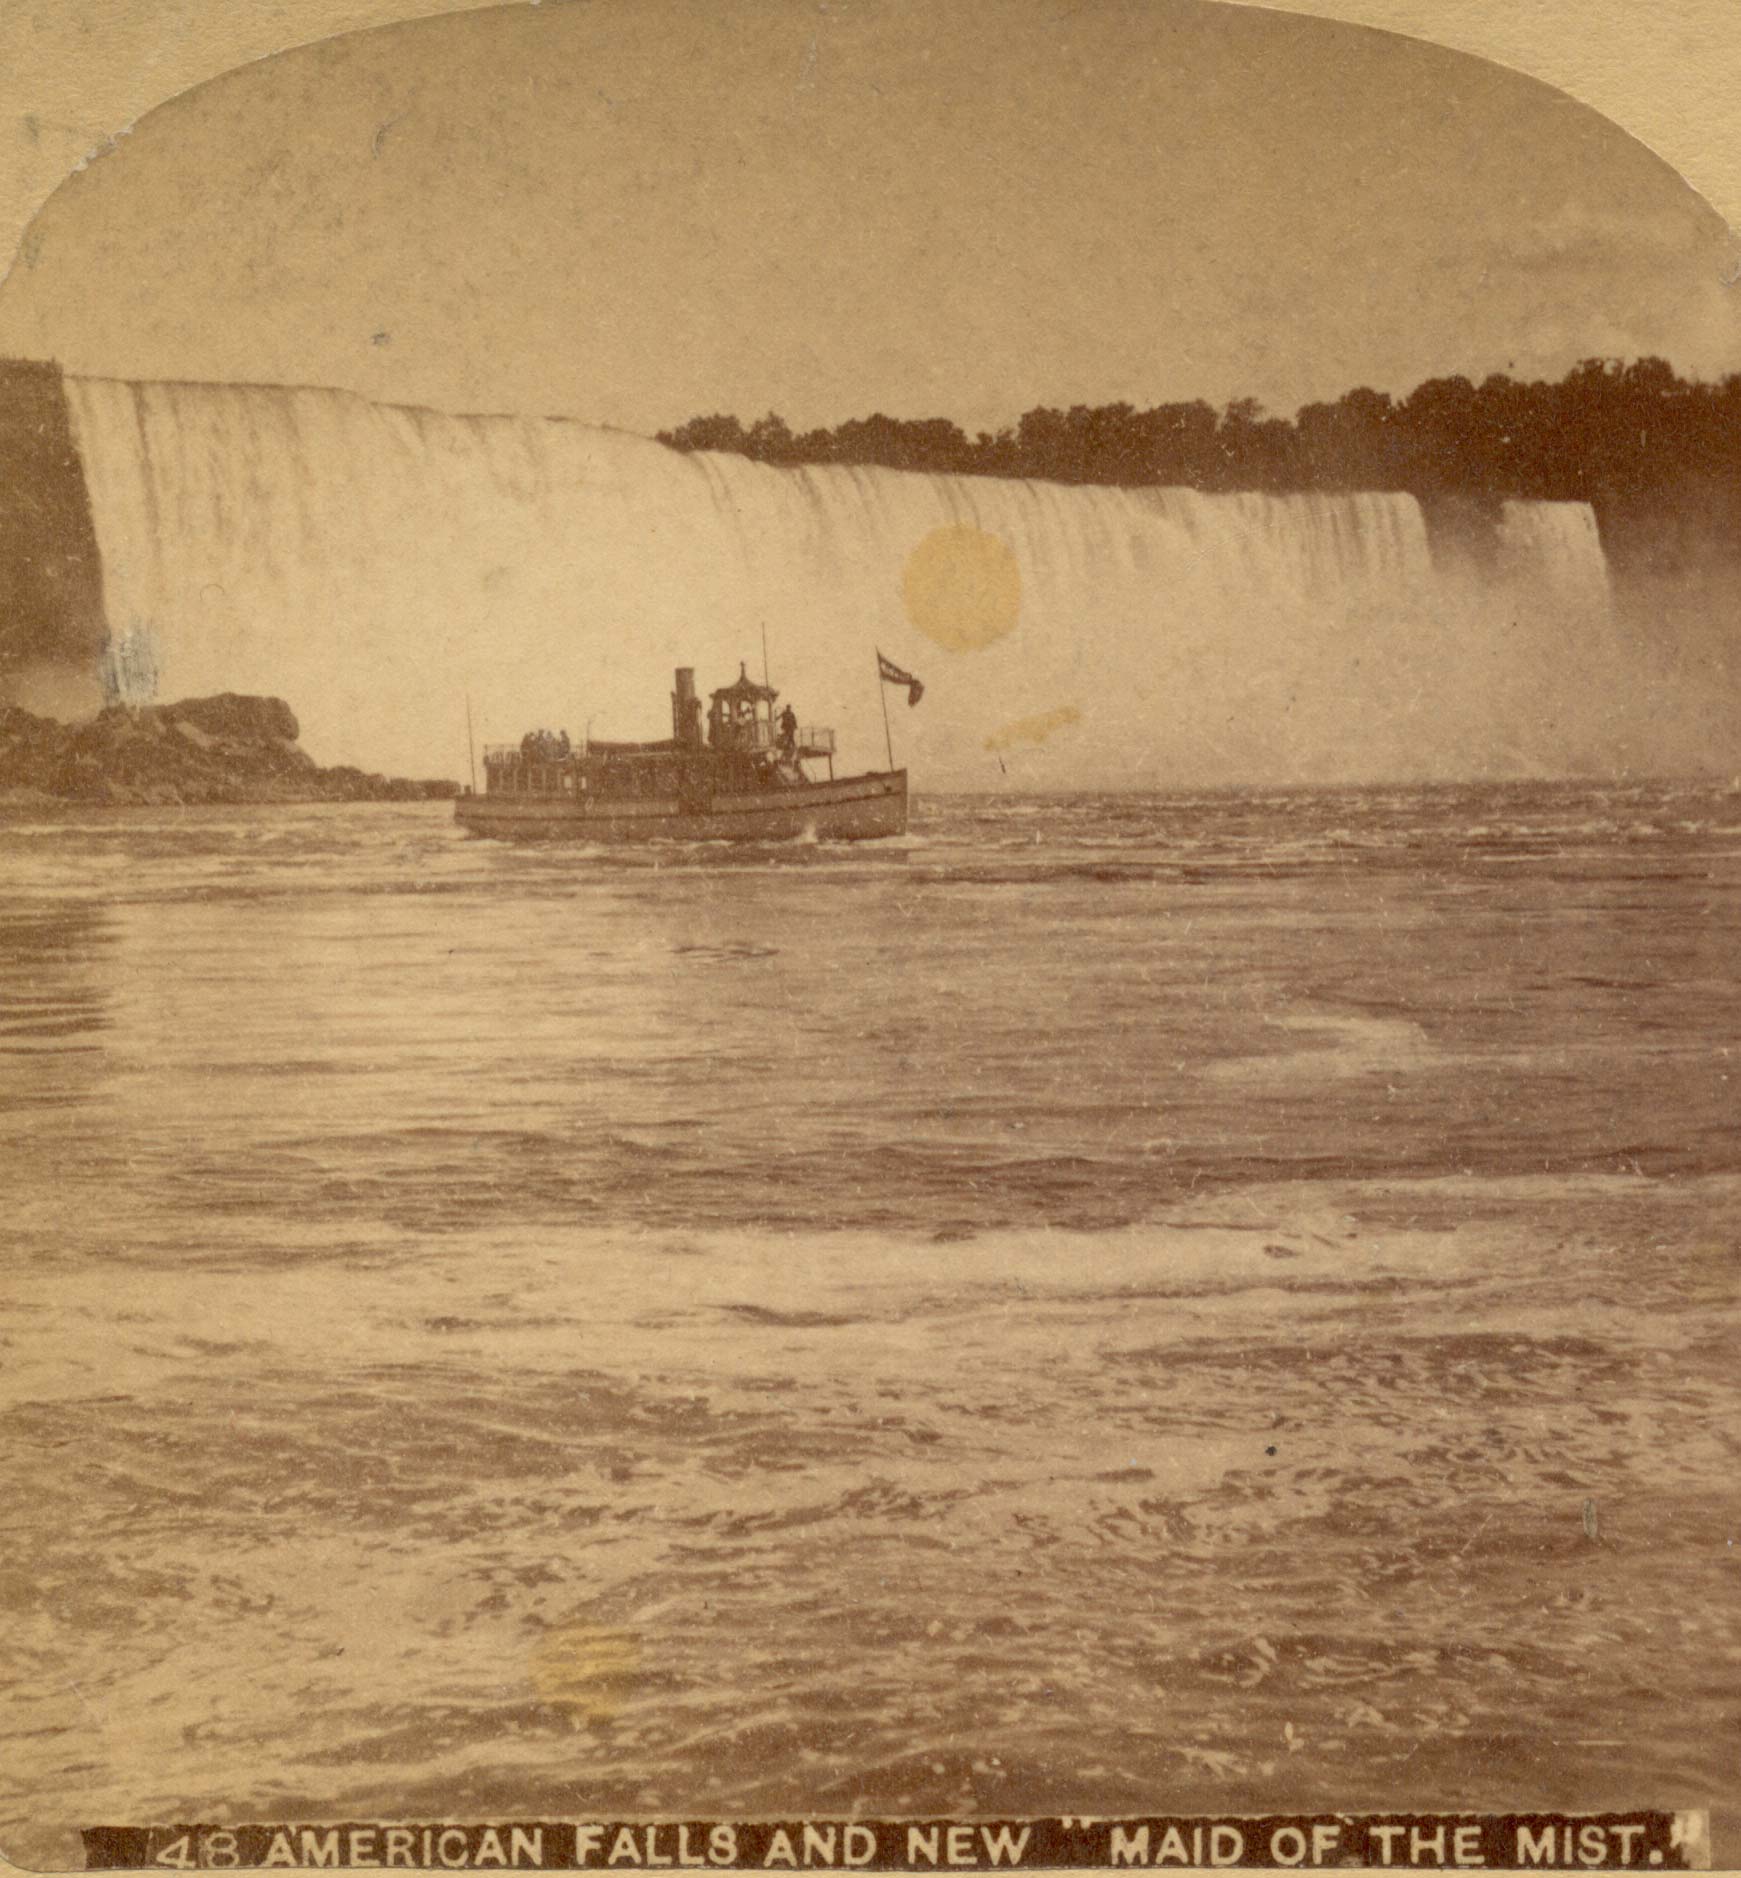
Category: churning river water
[1115,1304]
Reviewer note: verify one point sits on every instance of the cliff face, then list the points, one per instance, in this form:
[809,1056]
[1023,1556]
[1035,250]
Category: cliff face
[202,750]
[51,580]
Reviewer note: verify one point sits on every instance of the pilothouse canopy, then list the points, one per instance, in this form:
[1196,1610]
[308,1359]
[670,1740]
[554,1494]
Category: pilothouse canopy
[742,714]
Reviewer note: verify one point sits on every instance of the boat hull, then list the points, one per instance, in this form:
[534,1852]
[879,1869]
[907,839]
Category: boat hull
[855,808]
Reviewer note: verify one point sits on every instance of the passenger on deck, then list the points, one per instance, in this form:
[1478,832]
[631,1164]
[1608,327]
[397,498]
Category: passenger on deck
[789,730]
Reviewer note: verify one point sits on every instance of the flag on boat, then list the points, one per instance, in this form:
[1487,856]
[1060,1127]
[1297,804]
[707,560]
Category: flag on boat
[891,674]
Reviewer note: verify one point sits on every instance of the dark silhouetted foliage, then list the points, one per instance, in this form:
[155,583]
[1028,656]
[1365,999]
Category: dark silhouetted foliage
[1654,453]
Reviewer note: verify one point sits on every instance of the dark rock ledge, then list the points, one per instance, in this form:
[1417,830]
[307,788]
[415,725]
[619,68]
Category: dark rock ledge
[225,749]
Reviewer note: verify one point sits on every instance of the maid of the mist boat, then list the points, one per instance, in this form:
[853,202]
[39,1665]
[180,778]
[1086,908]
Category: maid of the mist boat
[742,777]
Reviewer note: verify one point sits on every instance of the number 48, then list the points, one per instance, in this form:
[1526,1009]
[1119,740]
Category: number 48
[210,1851]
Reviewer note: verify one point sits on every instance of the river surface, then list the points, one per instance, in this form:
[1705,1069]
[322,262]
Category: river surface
[1115,1304]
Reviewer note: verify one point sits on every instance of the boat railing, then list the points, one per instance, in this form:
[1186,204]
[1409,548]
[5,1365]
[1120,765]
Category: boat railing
[757,737]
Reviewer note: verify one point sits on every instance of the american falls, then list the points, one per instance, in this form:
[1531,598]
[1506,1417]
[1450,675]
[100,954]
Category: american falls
[380,567]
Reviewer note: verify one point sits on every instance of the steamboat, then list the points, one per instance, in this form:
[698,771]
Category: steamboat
[746,775]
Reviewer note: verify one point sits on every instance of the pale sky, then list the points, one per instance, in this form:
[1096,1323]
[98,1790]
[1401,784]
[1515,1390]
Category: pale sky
[636,211]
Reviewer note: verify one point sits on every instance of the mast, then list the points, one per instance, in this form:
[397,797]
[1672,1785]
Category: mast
[470,747]
[883,695]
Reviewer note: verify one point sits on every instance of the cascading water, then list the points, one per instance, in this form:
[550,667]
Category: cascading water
[375,565]
[1557,543]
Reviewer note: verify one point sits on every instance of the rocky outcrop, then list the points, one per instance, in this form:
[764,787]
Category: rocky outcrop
[227,748]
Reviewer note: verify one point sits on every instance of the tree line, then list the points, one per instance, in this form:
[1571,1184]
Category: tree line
[1640,443]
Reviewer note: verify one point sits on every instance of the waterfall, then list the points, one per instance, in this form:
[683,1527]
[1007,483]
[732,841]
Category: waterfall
[1556,543]
[375,565]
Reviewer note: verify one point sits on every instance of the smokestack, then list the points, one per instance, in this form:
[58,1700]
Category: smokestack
[684,726]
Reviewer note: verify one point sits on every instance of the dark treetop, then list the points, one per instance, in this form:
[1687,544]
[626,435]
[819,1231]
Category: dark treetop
[1659,457]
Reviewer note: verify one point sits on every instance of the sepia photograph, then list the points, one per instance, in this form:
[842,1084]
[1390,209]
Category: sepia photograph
[869,972]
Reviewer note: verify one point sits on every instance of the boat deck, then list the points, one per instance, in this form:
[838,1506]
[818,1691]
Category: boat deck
[850,808]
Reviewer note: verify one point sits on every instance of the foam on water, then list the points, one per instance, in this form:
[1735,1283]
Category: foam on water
[518,1334]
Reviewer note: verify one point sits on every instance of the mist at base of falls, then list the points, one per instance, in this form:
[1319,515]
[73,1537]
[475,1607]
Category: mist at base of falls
[377,566]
